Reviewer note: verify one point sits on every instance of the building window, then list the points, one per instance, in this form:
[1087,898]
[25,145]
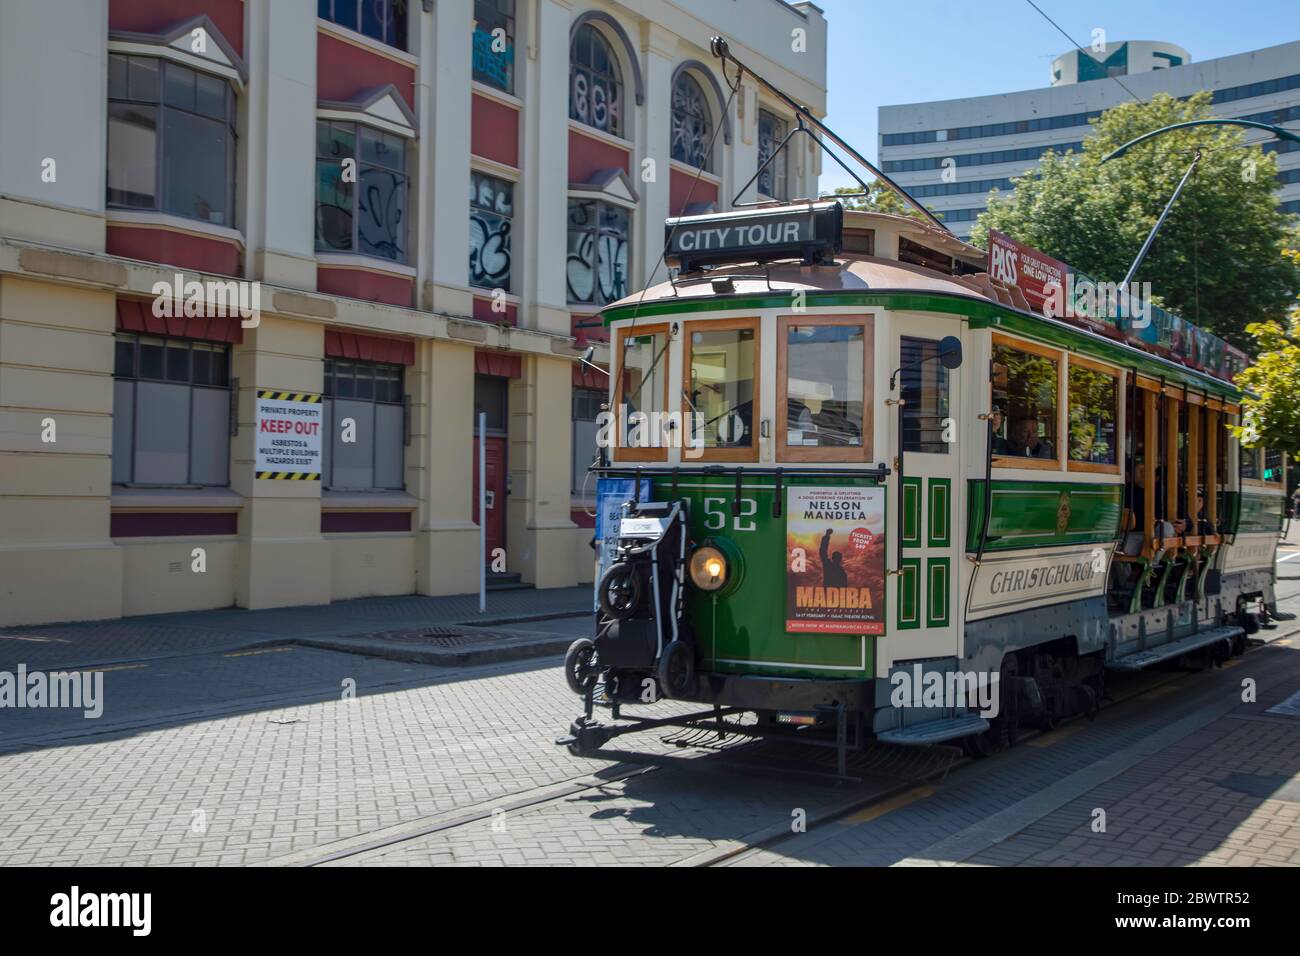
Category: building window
[1025,389]
[491,208]
[171,411]
[369,394]
[492,397]
[586,428]
[925,396]
[595,82]
[1094,404]
[382,20]
[773,181]
[494,43]
[596,271]
[692,131]
[1273,470]
[367,216]
[171,140]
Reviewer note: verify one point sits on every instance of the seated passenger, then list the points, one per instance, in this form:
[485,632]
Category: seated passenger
[1204,526]
[1027,443]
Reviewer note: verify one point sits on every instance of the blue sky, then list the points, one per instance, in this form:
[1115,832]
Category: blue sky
[884,52]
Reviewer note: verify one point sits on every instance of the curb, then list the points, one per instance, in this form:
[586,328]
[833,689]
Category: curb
[503,650]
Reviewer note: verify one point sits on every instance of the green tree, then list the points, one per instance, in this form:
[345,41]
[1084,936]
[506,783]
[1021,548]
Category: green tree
[879,198]
[1272,413]
[1217,262]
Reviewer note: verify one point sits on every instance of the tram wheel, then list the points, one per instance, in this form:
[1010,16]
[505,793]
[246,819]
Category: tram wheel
[581,665]
[620,591]
[675,671]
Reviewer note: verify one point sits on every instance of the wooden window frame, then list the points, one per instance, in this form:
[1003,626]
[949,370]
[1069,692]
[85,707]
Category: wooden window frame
[1058,356]
[722,325]
[1094,467]
[625,452]
[785,452]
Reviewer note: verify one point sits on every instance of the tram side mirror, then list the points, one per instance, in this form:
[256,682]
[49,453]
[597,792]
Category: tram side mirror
[950,352]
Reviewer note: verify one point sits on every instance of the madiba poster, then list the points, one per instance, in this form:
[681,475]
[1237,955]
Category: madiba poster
[835,560]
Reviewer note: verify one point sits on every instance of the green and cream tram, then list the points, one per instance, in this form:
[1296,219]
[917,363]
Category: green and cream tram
[848,472]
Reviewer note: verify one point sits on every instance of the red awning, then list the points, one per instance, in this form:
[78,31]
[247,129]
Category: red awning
[502,364]
[368,348]
[134,315]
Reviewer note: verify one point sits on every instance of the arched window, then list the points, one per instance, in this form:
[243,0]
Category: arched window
[595,82]
[692,124]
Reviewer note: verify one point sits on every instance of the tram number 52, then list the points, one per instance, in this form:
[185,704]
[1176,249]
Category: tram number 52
[716,511]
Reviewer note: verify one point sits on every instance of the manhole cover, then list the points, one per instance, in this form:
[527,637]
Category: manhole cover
[436,637]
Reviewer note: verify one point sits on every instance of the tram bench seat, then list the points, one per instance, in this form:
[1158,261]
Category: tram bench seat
[1154,655]
[936,731]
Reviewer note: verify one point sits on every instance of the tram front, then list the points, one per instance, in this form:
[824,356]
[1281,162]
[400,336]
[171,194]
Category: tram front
[771,419]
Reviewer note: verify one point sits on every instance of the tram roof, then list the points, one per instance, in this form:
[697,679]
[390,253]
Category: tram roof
[859,280]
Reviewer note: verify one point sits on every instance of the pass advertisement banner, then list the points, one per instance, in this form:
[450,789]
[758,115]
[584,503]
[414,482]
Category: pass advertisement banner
[1034,273]
[835,560]
[288,438]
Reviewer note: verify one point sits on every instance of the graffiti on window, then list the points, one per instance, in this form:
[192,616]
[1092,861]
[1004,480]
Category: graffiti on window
[364,211]
[491,208]
[493,64]
[595,83]
[772,181]
[692,127]
[596,270]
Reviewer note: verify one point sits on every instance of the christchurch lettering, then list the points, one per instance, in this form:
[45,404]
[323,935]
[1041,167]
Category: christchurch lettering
[1027,579]
[103,909]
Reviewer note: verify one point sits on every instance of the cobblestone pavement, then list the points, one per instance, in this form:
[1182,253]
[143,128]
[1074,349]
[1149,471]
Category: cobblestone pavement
[237,756]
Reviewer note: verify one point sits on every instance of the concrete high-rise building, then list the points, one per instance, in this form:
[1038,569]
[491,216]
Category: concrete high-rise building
[428,201]
[981,142]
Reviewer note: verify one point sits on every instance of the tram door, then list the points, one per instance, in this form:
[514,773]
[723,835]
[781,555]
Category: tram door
[925,616]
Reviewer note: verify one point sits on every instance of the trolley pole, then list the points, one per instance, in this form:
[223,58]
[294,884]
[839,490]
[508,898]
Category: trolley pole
[482,512]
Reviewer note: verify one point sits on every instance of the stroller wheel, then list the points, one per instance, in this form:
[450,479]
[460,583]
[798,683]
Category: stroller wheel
[621,591]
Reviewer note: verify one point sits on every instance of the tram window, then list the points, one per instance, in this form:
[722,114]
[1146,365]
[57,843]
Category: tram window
[1094,401]
[720,387]
[643,386]
[924,395]
[1025,394]
[822,370]
[1272,466]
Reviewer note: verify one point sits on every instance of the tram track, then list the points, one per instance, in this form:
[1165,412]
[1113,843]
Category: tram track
[901,787]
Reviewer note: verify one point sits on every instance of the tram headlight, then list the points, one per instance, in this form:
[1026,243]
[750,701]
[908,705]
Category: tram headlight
[708,568]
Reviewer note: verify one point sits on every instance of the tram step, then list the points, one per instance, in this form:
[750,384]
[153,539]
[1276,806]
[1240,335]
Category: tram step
[1154,655]
[936,731]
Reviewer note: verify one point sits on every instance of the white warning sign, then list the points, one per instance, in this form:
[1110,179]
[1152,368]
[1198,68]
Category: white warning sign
[288,435]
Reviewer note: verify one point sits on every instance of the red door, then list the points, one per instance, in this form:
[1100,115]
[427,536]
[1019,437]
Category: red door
[496,492]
